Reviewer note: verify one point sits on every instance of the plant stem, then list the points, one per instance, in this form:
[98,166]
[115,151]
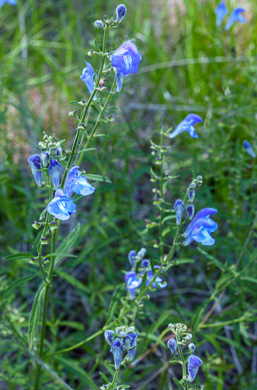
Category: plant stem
[114,378]
[183,363]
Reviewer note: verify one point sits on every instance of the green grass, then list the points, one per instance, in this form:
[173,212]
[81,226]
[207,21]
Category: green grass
[43,46]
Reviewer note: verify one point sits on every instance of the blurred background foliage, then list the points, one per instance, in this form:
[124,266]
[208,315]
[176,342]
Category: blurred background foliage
[189,65]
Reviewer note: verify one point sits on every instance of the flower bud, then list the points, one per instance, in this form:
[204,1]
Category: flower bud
[109,336]
[99,24]
[179,209]
[191,347]
[36,225]
[120,12]
[190,211]
[191,196]
[141,253]
[132,257]
[172,345]
[45,158]
[44,241]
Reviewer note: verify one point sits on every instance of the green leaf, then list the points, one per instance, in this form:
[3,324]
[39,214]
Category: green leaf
[87,150]
[18,256]
[73,281]
[104,377]
[68,243]
[114,302]
[98,178]
[178,382]
[79,372]
[17,283]
[35,315]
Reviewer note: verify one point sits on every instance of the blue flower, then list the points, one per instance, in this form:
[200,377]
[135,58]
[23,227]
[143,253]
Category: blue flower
[194,362]
[159,282]
[187,125]
[61,207]
[248,147]
[132,257]
[88,77]
[77,183]
[45,158]
[172,345]
[133,282]
[126,60]
[221,11]
[117,351]
[235,16]
[11,2]
[179,209]
[120,12]
[190,211]
[35,165]
[54,171]
[109,336]
[200,228]
[130,344]
[191,195]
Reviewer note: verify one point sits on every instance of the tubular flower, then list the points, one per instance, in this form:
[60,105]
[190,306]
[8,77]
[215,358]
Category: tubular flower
[88,77]
[126,60]
[172,345]
[200,228]
[120,12]
[77,183]
[61,207]
[248,147]
[221,11]
[133,282]
[54,171]
[35,165]
[130,344]
[117,351]
[235,17]
[194,362]
[187,125]
[179,209]
[159,282]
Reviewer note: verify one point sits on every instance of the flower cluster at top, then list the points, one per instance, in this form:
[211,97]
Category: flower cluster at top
[182,337]
[236,16]
[122,340]
[47,164]
[201,225]
[123,61]
[140,267]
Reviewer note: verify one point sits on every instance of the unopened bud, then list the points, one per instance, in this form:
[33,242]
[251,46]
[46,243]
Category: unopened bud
[36,225]
[98,24]
[44,241]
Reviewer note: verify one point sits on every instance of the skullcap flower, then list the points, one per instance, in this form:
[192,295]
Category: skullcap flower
[187,125]
[88,77]
[172,345]
[61,207]
[54,171]
[248,147]
[117,351]
[194,362]
[235,17]
[221,11]
[77,183]
[130,344]
[133,282]
[179,209]
[120,12]
[200,228]
[35,165]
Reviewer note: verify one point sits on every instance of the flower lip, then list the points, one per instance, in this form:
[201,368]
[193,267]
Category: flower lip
[194,362]
[187,125]
[202,214]
[235,16]
[221,11]
[126,59]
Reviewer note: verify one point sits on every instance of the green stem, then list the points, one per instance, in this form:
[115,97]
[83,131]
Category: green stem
[114,378]
[162,198]
[183,363]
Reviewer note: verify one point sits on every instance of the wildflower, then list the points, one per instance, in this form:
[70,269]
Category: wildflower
[191,196]
[158,281]
[35,165]
[132,257]
[221,11]
[109,336]
[194,362]
[120,12]
[200,228]
[88,77]
[190,211]
[61,207]
[133,282]
[56,151]
[187,125]
[141,253]
[126,60]
[172,345]
[54,171]
[117,351]
[45,158]
[11,2]
[191,347]
[179,209]
[77,183]
[248,147]
[130,344]
[99,24]
[235,16]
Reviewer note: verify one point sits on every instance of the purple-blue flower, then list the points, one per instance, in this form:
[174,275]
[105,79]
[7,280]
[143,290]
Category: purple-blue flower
[61,207]
[179,209]
[54,171]
[109,336]
[158,282]
[88,77]
[77,183]
[117,351]
[172,345]
[132,257]
[120,12]
[11,2]
[200,228]
[190,211]
[130,344]
[35,165]
[187,125]
[194,362]
[248,147]
[235,17]
[221,11]
[133,282]
[126,60]
[45,158]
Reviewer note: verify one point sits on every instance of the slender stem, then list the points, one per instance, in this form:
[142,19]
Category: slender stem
[114,378]
[183,363]
[162,198]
